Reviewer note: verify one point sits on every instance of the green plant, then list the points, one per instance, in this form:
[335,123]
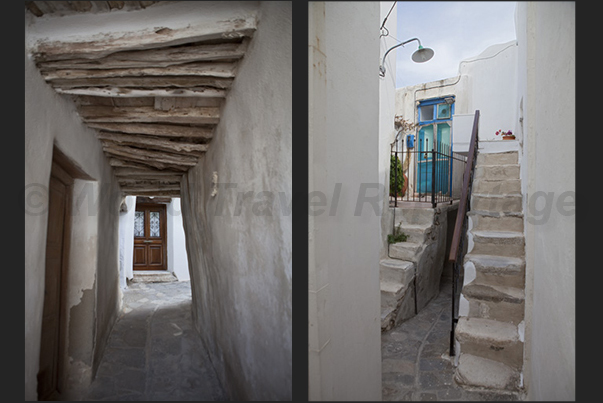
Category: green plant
[394,166]
[397,236]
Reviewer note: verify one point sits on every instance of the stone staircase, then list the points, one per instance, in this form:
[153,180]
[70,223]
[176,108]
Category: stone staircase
[489,333]
[420,255]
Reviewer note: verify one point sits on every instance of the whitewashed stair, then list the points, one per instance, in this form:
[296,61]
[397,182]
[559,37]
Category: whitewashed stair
[489,333]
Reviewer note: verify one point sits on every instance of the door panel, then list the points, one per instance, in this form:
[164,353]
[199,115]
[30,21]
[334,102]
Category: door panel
[50,343]
[150,237]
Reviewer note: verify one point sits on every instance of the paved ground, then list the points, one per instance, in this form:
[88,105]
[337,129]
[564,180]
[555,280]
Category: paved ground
[154,352]
[415,361]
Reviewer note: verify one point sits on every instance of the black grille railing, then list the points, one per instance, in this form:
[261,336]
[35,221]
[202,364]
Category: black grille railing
[457,248]
[431,174]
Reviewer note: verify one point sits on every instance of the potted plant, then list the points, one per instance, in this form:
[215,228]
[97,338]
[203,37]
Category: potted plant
[508,135]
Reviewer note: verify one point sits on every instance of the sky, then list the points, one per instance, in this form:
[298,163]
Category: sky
[454,30]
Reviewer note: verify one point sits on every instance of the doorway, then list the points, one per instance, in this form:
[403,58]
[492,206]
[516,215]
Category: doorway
[57,250]
[150,237]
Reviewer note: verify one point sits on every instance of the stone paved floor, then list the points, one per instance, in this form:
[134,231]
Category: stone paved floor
[415,360]
[154,352]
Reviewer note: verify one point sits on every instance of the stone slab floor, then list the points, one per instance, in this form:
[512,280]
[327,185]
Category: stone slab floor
[154,353]
[415,360]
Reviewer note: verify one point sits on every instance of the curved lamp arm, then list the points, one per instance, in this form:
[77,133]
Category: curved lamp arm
[382,66]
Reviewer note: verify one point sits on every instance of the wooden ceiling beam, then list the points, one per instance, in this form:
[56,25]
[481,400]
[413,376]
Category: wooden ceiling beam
[161,130]
[145,82]
[139,192]
[201,69]
[200,115]
[120,92]
[144,173]
[116,161]
[147,156]
[148,39]
[155,58]
[154,144]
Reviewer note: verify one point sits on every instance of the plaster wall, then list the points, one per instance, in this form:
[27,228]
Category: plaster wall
[486,82]
[344,234]
[546,94]
[239,241]
[126,241]
[387,112]
[176,248]
[92,295]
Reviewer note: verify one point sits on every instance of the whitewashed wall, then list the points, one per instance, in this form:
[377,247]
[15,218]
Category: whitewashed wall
[176,247]
[93,285]
[344,242]
[126,242]
[239,241]
[546,93]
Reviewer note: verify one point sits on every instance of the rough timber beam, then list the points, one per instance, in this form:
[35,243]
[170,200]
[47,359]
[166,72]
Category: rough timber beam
[138,154]
[156,58]
[202,92]
[201,115]
[161,130]
[201,69]
[150,38]
[116,161]
[152,143]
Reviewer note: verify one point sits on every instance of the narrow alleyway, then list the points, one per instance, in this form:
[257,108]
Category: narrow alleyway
[415,361]
[154,353]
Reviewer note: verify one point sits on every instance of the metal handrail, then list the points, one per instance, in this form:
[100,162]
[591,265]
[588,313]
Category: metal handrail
[460,226]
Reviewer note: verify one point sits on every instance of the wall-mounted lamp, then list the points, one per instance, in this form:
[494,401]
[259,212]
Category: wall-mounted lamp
[421,54]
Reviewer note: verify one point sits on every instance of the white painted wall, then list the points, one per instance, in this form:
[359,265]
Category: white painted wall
[239,241]
[344,154]
[126,242]
[546,92]
[387,112]
[92,298]
[486,82]
[176,247]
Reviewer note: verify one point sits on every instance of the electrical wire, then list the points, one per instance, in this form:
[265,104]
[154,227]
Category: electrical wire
[385,20]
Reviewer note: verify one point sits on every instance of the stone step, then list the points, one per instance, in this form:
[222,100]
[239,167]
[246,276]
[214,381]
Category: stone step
[496,221]
[497,187]
[414,216]
[391,291]
[418,233]
[498,243]
[408,251]
[497,172]
[484,373]
[506,158]
[504,204]
[394,270]
[500,303]
[490,339]
[497,270]
[153,276]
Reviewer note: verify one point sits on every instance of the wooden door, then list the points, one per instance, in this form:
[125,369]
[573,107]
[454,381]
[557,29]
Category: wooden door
[150,237]
[56,252]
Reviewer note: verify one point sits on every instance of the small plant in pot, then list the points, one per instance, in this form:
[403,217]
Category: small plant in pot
[508,135]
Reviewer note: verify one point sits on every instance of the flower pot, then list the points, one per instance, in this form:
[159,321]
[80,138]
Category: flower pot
[508,137]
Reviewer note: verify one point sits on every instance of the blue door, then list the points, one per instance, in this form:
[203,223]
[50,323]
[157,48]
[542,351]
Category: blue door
[434,134]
